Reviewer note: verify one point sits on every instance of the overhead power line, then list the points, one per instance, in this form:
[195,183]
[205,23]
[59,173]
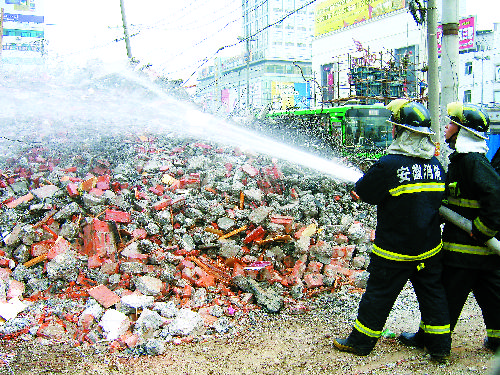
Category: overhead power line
[245,39]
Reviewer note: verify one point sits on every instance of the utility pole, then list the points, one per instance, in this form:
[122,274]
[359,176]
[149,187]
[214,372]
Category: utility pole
[433,71]
[449,56]
[247,58]
[125,30]
[482,58]
[248,72]
[1,33]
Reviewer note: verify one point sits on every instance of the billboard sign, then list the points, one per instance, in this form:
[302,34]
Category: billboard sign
[286,95]
[23,31]
[466,34]
[331,15]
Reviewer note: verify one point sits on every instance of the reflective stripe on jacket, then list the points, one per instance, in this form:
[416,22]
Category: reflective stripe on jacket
[473,191]
[408,192]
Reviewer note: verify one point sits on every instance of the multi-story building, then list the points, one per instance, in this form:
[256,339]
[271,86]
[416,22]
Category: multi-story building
[22,36]
[375,50]
[385,39]
[479,71]
[275,66]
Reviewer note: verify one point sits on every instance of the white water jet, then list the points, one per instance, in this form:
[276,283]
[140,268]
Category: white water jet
[120,102]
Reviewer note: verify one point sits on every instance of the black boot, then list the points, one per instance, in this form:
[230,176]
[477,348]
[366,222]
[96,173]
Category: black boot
[414,340]
[357,343]
[492,343]
[440,358]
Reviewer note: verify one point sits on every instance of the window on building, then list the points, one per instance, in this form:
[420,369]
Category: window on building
[496,97]
[468,68]
[497,73]
[467,96]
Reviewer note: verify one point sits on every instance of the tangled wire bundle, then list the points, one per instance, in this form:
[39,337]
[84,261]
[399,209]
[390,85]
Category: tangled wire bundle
[418,11]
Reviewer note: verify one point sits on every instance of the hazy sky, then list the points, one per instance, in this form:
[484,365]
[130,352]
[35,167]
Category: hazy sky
[173,35]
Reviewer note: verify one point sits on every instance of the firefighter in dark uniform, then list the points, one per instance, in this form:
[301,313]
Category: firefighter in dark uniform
[407,185]
[473,191]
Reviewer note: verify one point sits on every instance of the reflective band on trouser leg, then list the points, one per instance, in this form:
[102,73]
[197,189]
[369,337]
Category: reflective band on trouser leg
[467,249]
[493,333]
[435,330]
[403,257]
[483,228]
[367,331]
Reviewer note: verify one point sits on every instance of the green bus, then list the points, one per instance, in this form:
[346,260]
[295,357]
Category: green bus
[355,129]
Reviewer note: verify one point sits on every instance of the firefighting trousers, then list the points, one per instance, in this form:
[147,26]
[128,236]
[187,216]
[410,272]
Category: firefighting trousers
[383,287]
[485,285]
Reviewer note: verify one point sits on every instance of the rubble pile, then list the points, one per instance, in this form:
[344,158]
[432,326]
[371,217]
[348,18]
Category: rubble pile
[140,241]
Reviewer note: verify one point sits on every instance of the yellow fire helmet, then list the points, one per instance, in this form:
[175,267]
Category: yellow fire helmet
[410,115]
[470,117]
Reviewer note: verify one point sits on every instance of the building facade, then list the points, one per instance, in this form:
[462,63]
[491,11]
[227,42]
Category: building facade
[479,71]
[391,41]
[274,69]
[22,32]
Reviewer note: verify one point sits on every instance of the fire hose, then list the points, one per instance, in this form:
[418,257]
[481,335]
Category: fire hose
[466,225]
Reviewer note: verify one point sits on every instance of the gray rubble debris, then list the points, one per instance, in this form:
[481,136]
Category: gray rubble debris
[185,322]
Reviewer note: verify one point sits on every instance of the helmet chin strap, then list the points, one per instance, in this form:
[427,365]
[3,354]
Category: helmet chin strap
[453,139]
[398,131]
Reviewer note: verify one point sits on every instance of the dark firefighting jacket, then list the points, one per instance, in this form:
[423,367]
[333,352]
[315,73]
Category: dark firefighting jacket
[473,191]
[408,192]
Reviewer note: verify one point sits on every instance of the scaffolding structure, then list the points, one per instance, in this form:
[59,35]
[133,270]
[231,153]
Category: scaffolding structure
[367,77]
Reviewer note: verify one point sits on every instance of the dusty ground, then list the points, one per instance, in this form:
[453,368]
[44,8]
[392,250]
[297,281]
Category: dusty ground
[270,344]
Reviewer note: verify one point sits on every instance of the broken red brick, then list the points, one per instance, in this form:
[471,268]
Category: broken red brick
[187,182]
[161,205]
[69,170]
[104,296]
[251,171]
[98,239]
[103,182]
[204,279]
[315,267]
[186,263]
[94,261]
[208,319]
[238,270]
[5,273]
[18,201]
[41,247]
[139,233]
[140,195]
[278,219]
[341,238]
[60,246]
[96,192]
[256,235]
[16,289]
[130,339]
[85,321]
[88,183]
[157,190]
[117,216]
[270,275]
[313,280]
[72,189]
